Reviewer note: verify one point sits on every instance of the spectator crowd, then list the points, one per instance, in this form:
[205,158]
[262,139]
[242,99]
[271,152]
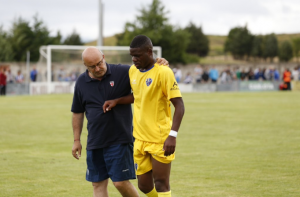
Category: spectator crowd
[205,74]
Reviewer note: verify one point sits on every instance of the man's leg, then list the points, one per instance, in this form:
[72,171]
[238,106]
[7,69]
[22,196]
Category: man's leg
[126,189]
[161,176]
[100,188]
[145,184]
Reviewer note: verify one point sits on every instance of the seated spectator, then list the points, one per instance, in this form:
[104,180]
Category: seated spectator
[178,75]
[198,73]
[188,79]
[19,77]
[205,76]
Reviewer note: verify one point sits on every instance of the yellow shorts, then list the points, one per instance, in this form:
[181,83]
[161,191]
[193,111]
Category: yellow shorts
[142,152]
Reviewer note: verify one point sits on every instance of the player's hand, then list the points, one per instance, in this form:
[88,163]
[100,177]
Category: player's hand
[162,61]
[108,105]
[169,145]
[76,148]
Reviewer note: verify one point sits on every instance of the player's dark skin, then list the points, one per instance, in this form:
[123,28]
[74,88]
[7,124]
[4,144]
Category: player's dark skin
[160,173]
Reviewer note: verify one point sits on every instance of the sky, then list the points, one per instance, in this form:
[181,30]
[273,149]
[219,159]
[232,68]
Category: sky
[215,17]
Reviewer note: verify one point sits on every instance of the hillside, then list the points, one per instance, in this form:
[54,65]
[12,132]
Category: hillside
[216,42]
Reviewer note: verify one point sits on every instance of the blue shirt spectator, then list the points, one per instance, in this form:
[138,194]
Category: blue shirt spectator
[213,74]
[33,74]
[276,75]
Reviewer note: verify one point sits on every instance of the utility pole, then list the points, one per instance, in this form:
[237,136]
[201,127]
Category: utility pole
[100,36]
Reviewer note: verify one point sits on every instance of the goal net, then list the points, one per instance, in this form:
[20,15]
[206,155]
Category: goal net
[60,65]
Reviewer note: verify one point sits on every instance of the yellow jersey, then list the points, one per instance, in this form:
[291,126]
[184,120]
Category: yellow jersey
[152,91]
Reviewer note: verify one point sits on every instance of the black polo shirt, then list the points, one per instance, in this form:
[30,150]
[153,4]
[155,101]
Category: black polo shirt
[112,127]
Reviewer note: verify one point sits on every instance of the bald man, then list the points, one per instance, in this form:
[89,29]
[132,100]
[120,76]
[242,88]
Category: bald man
[110,141]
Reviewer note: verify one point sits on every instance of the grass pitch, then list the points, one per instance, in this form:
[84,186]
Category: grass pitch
[229,144]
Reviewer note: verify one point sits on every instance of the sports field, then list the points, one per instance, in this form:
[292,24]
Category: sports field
[229,144]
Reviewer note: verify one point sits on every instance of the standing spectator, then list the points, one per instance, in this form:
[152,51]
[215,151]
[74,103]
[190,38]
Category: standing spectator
[295,74]
[2,82]
[19,77]
[269,73]
[237,73]
[213,74]
[33,74]
[276,75]
[287,78]
[9,76]
[226,76]
[198,73]
[251,75]
[259,75]
[178,75]
[61,74]
[188,79]
[73,75]
[205,76]
[243,74]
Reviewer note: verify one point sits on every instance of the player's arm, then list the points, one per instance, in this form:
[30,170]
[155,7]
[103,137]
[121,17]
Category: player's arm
[108,105]
[170,143]
[77,123]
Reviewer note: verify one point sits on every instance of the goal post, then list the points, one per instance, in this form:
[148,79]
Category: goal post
[70,55]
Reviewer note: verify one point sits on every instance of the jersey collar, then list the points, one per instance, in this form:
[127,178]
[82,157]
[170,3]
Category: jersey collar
[147,69]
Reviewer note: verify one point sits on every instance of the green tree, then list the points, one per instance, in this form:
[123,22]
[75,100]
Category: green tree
[285,51]
[73,39]
[257,46]
[199,43]
[239,42]
[24,37]
[296,48]
[21,39]
[6,53]
[152,22]
[270,46]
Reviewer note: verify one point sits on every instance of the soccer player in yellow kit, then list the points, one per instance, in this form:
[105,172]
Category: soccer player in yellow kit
[154,88]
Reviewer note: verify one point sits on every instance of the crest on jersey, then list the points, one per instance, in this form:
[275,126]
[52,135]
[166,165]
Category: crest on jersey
[148,81]
[112,83]
[136,166]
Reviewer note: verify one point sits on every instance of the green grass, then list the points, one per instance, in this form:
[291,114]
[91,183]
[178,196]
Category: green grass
[229,144]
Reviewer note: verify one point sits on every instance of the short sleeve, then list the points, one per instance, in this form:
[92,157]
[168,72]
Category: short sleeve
[169,85]
[77,105]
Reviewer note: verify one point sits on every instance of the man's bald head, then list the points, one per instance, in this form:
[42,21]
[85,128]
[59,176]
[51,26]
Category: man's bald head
[90,54]
[94,61]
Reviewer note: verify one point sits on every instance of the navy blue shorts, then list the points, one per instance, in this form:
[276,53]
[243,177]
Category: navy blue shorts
[114,162]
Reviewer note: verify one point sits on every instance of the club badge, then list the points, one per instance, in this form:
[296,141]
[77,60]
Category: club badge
[112,83]
[148,81]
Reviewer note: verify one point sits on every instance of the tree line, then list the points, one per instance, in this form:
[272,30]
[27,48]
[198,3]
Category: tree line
[241,44]
[180,45]
[26,36]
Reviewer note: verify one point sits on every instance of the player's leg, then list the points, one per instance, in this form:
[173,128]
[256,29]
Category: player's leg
[143,167]
[126,189]
[161,176]
[145,182]
[120,167]
[100,188]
